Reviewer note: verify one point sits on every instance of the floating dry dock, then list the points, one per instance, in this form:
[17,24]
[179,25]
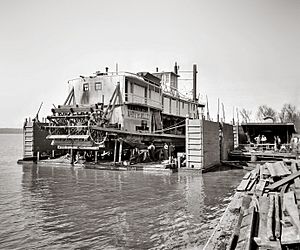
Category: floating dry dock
[264,212]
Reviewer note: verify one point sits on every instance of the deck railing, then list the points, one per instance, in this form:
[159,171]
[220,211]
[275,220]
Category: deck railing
[265,146]
[132,98]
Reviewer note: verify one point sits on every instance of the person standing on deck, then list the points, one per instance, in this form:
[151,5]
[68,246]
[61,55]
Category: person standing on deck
[166,151]
[263,139]
[278,143]
[171,152]
[151,149]
[257,139]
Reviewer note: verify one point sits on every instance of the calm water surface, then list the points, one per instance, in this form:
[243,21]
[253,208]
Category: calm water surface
[46,207]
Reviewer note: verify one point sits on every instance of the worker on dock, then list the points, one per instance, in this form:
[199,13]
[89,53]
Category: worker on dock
[278,143]
[257,139]
[263,139]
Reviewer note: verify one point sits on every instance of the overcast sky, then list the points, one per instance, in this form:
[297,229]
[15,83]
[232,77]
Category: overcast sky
[247,51]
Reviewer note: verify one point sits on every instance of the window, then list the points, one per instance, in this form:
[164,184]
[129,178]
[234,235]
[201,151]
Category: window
[131,87]
[167,78]
[98,85]
[85,87]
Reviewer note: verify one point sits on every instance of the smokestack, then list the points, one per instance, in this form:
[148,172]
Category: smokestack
[106,69]
[176,68]
[156,69]
[195,82]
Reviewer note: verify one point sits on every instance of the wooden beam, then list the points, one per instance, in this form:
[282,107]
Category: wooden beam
[259,189]
[283,181]
[120,150]
[290,219]
[277,217]
[270,234]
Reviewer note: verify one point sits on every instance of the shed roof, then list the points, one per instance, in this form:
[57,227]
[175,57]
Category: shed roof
[271,126]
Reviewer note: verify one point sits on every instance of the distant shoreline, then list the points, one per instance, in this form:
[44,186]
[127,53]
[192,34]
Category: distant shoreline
[11,130]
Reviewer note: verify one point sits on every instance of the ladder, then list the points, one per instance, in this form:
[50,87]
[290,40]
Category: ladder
[194,143]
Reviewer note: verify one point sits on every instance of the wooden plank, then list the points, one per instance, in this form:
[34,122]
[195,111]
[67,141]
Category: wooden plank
[266,171]
[243,185]
[290,218]
[247,176]
[262,240]
[285,168]
[283,181]
[261,167]
[277,216]
[296,180]
[254,173]
[267,245]
[246,233]
[272,170]
[270,234]
[260,187]
[235,236]
[297,184]
[291,207]
[263,212]
[251,185]
[223,232]
[278,169]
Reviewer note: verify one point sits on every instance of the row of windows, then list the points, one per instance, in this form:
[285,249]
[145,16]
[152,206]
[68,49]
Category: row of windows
[183,104]
[98,86]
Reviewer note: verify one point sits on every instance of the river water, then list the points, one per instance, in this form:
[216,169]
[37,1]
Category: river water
[50,207]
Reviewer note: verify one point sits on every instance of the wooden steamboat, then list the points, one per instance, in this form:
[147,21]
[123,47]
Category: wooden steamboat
[131,110]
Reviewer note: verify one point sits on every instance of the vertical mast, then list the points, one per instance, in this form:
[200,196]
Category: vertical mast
[195,82]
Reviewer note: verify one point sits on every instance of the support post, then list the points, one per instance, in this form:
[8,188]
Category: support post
[53,153]
[194,82]
[120,150]
[115,151]
[96,156]
[72,157]
[38,156]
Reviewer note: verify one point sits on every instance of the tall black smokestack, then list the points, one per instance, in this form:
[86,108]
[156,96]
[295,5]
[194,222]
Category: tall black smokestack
[195,82]
[176,68]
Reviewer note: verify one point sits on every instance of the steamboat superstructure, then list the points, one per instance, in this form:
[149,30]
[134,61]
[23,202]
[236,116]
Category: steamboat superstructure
[115,107]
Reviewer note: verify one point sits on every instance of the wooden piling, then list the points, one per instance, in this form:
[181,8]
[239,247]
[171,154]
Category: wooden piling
[120,150]
[96,156]
[115,151]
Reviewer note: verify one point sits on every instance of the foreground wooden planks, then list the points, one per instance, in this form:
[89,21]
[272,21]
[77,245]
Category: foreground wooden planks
[271,219]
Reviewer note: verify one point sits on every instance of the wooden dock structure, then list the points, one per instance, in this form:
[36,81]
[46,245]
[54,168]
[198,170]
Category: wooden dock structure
[264,211]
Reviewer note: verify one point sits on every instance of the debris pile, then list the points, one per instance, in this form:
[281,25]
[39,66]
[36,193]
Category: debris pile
[264,212]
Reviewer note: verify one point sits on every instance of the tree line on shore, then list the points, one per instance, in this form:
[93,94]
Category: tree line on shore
[288,113]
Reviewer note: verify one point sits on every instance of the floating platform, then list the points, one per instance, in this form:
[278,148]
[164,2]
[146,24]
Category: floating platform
[150,166]
[261,155]
[264,211]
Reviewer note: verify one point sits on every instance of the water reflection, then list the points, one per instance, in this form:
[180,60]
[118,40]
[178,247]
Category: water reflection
[65,207]
[89,208]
